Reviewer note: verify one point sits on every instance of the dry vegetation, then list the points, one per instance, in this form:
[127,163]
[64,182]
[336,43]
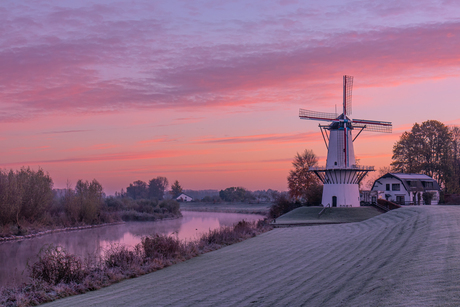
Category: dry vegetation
[58,274]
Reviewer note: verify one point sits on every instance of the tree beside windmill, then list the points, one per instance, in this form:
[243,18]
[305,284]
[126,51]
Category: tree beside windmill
[341,176]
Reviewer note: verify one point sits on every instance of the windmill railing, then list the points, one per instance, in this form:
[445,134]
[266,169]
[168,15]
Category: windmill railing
[324,210]
[353,167]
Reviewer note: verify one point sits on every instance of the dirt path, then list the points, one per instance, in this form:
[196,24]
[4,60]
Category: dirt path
[407,257]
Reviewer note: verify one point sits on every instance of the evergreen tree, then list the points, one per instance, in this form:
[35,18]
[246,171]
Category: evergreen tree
[176,189]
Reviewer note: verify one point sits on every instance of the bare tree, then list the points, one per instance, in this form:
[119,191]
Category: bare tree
[303,184]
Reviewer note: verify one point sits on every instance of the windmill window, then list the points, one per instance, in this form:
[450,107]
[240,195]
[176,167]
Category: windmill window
[396,187]
[335,163]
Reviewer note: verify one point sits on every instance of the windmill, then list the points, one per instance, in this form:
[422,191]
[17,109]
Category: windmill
[341,175]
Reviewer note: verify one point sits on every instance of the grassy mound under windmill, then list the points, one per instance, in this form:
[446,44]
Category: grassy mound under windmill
[310,216]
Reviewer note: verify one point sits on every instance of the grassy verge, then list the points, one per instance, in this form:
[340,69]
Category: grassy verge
[59,274]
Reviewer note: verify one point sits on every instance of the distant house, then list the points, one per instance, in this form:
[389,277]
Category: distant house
[184,197]
[406,189]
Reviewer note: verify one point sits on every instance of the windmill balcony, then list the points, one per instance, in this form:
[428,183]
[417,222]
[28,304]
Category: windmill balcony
[352,167]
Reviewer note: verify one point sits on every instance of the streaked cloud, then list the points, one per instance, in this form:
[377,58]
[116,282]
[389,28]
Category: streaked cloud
[271,138]
[64,131]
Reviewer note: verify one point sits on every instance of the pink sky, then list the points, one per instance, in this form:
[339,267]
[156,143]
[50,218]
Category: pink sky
[208,92]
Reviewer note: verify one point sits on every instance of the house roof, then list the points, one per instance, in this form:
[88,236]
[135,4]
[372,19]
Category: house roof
[412,181]
[412,176]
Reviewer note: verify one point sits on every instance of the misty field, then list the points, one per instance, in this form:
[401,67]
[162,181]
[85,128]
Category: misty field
[406,257]
[227,207]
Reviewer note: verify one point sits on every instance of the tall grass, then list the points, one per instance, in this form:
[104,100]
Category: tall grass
[57,273]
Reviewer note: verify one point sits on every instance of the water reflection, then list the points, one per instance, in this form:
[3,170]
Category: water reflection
[14,255]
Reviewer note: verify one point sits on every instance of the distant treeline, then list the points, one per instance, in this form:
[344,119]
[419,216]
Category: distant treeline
[27,196]
[28,201]
[234,194]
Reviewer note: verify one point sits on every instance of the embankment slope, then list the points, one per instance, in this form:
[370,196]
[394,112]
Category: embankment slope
[406,257]
[310,215]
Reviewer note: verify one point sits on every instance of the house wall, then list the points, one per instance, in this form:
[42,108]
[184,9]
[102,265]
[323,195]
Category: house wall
[381,185]
[184,198]
[392,194]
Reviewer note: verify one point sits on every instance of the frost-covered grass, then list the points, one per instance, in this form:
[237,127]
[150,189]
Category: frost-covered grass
[227,207]
[309,215]
[58,274]
[406,257]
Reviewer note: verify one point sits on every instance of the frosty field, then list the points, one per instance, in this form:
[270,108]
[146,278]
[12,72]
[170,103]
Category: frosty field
[406,257]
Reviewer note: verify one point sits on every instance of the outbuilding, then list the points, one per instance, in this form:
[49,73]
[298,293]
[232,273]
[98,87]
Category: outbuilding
[184,197]
[408,189]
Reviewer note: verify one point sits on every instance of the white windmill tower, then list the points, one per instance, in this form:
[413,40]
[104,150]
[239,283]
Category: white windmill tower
[341,175]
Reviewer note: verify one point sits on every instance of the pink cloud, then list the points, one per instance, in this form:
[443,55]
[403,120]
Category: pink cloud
[72,73]
[270,138]
[159,140]
[127,156]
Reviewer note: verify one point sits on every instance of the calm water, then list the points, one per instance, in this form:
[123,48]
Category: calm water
[14,255]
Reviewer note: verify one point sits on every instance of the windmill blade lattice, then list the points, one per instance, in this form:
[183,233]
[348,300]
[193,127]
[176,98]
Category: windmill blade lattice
[347,93]
[314,115]
[372,125]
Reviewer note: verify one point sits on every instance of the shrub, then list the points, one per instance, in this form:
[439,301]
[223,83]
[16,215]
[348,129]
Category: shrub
[230,235]
[119,256]
[171,206]
[55,265]
[161,246]
[427,197]
[282,205]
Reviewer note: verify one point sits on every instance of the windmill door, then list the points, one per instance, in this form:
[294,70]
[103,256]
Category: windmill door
[334,201]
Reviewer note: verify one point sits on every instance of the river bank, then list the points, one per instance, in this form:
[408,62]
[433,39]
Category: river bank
[49,231]
[406,257]
[15,254]
[34,231]
[58,273]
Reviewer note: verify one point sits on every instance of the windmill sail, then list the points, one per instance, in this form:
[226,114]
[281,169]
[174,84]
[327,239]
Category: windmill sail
[373,125]
[347,94]
[313,115]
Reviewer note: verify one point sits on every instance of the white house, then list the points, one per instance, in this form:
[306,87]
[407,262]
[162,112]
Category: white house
[184,197]
[407,189]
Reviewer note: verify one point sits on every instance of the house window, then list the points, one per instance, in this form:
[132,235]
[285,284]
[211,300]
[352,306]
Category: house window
[428,185]
[388,187]
[396,187]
